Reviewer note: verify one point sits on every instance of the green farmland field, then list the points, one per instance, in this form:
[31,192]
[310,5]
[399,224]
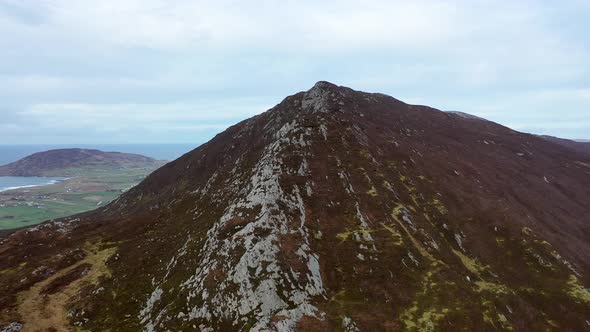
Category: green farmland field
[86,190]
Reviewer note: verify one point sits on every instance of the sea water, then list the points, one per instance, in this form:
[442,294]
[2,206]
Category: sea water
[17,182]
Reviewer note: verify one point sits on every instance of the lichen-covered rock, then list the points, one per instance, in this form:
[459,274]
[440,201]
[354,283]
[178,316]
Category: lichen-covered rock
[12,327]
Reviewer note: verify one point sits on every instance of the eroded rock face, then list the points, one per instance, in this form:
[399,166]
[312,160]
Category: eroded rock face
[335,210]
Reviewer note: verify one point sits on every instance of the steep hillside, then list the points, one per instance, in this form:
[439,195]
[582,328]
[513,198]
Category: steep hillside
[336,210]
[57,162]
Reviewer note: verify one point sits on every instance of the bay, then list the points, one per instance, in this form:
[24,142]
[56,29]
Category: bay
[16,182]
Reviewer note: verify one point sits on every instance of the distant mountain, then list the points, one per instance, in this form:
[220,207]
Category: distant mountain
[336,210]
[582,146]
[52,162]
[579,146]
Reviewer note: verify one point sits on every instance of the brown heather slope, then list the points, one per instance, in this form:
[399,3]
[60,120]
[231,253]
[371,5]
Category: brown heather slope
[53,161]
[336,210]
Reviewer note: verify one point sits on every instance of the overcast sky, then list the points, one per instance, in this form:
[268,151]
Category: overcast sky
[133,71]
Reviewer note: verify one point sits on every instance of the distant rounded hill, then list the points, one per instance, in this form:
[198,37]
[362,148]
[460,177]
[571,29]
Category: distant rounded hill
[578,146]
[52,162]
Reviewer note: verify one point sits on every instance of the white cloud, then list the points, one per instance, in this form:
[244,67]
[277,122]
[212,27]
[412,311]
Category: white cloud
[294,25]
[149,63]
[288,25]
[104,123]
[480,42]
[141,115]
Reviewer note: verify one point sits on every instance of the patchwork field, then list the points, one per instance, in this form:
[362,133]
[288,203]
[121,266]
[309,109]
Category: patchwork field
[87,189]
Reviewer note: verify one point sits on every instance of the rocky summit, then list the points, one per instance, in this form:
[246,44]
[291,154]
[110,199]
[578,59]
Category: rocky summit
[336,210]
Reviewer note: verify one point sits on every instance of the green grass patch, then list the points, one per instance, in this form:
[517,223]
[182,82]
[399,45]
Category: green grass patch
[88,189]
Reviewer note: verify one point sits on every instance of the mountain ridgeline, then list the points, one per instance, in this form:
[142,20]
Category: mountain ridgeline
[336,210]
[578,146]
[57,161]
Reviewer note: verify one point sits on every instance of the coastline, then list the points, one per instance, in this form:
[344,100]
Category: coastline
[48,183]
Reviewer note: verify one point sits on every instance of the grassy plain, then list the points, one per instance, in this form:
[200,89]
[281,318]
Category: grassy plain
[87,188]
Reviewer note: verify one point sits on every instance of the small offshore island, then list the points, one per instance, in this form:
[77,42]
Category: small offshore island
[87,179]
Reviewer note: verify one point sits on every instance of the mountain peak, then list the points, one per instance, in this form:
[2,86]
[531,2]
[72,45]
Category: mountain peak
[317,98]
[324,85]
